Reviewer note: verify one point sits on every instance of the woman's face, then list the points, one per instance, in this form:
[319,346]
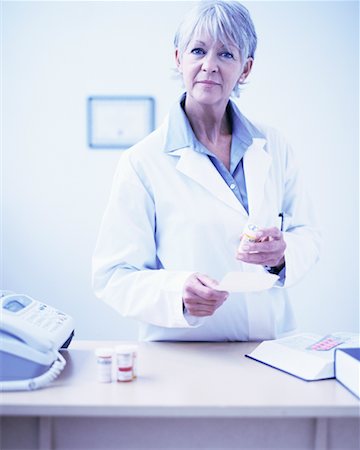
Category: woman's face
[211,70]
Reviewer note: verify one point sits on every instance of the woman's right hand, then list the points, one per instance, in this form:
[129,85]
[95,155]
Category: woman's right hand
[200,297]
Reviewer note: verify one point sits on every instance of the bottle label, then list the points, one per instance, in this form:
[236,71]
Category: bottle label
[125,374]
[104,371]
[104,361]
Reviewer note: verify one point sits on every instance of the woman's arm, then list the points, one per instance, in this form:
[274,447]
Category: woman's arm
[295,248]
[126,272]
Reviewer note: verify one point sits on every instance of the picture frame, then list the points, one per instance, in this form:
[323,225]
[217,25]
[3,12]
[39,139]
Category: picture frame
[119,122]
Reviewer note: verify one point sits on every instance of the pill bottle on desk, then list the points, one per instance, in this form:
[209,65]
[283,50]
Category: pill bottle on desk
[124,363]
[104,364]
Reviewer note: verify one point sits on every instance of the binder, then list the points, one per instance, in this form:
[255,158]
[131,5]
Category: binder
[347,368]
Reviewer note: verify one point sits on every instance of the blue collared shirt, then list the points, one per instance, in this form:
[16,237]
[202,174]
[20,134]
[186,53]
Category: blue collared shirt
[180,134]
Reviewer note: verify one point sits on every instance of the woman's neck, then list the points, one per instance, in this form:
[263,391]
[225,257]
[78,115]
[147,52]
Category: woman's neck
[210,123]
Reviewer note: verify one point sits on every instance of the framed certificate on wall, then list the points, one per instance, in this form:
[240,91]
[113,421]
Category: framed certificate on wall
[118,122]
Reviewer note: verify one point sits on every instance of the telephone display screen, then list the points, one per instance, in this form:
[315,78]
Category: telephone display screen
[14,306]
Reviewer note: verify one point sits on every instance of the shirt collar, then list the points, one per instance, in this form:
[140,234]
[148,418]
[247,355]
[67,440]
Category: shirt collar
[180,133]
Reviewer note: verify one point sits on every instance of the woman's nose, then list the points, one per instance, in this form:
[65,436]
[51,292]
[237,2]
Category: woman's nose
[209,63]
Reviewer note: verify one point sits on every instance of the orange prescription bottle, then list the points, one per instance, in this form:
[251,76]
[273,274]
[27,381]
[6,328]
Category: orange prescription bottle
[248,235]
[124,363]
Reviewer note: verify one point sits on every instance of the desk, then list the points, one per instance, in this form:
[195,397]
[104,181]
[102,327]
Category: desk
[187,395]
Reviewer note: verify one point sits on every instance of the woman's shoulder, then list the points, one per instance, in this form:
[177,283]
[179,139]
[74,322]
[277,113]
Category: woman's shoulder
[150,143]
[147,156]
[150,147]
[277,145]
[271,134]
[258,129]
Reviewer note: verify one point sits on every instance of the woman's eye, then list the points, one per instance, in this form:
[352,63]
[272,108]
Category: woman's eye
[227,55]
[198,51]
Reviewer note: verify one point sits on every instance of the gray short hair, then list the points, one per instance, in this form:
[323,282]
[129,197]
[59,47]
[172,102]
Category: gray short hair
[226,21]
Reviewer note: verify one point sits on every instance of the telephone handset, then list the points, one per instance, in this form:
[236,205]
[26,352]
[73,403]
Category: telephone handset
[31,333]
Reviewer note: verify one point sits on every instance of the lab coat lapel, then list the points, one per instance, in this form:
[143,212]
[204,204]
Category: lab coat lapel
[256,166]
[198,167]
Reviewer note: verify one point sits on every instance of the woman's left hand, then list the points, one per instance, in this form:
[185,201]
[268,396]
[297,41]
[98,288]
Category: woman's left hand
[268,250]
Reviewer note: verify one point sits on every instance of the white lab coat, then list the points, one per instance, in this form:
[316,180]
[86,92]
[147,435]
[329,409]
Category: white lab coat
[171,214]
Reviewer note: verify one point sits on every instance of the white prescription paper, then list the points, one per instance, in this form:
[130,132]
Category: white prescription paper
[247,282]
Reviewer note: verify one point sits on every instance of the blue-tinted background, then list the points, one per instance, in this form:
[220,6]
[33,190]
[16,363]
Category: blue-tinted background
[54,188]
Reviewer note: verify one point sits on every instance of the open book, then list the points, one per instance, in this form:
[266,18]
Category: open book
[307,356]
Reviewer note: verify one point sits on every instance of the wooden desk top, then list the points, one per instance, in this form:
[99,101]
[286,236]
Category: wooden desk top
[182,380]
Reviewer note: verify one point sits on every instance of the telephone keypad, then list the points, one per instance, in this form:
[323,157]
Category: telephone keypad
[46,318]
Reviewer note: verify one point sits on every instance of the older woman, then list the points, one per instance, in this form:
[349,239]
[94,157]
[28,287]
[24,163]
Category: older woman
[183,195]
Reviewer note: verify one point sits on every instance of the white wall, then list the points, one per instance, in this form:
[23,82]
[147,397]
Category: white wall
[54,188]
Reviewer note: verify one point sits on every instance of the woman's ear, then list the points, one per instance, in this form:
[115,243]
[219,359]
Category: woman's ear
[177,59]
[246,70]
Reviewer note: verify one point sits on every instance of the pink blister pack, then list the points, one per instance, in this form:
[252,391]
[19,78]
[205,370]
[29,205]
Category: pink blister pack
[326,343]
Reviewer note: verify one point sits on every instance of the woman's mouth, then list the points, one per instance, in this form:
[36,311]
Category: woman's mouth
[208,82]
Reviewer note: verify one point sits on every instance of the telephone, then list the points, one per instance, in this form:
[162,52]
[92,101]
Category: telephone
[31,334]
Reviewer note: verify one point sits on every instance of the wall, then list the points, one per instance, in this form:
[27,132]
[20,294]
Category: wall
[54,188]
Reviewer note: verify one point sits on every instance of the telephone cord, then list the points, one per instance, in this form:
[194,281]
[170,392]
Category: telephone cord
[37,382]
